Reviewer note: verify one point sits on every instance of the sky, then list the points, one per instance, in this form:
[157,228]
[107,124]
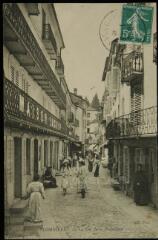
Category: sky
[84,54]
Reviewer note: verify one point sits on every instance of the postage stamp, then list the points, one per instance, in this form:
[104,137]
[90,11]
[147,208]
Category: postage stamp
[136,24]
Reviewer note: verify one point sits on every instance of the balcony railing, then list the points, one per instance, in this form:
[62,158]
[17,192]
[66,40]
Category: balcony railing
[15,23]
[132,66]
[59,66]
[19,105]
[137,123]
[49,39]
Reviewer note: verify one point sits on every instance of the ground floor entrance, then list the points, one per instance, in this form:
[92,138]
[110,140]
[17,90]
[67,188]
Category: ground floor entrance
[17,167]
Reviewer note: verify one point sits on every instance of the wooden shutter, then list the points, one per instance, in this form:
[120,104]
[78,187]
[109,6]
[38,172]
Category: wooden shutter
[23,82]
[17,78]
[136,103]
[12,70]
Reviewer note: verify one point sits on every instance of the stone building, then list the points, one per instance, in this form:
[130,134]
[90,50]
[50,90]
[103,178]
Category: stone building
[36,97]
[130,112]
[80,121]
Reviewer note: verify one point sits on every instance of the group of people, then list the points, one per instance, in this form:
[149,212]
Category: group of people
[73,172]
[93,163]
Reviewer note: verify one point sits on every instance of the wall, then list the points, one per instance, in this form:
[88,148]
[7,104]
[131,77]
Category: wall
[150,76]
[34,90]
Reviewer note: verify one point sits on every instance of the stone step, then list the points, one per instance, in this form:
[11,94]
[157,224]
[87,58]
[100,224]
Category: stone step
[31,225]
[19,206]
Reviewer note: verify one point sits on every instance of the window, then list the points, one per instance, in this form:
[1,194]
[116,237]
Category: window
[23,82]
[26,87]
[17,78]
[28,158]
[123,106]
[12,71]
[88,130]
[43,22]
[43,101]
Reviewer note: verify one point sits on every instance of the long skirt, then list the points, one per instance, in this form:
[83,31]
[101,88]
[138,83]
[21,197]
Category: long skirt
[90,166]
[141,197]
[96,173]
[35,207]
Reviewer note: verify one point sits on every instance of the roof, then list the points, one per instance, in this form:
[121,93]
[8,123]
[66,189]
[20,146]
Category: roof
[61,36]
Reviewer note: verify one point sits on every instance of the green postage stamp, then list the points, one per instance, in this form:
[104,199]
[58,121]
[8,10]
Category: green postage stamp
[136,24]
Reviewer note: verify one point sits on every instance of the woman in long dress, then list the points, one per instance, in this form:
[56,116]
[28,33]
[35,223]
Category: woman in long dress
[36,192]
[82,177]
[96,166]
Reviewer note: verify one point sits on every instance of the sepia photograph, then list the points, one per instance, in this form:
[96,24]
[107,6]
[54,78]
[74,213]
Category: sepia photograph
[80,120]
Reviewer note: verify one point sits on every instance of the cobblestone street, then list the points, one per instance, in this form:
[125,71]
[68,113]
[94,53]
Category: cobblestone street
[104,213]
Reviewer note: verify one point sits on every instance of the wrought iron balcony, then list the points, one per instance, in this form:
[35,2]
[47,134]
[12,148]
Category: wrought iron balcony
[139,123]
[132,67]
[49,40]
[20,107]
[59,66]
[21,42]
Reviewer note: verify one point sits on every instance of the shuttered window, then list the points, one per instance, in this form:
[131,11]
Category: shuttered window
[136,103]
[12,71]
[17,78]
[26,87]
[23,82]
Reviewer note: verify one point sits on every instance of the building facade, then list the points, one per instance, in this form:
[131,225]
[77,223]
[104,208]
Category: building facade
[130,112]
[93,123]
[36,98]
[80,112]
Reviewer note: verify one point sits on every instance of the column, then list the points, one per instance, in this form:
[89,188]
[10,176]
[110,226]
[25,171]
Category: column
[32,157]
[48,149]
[42,155]
[23,166]
[9,168]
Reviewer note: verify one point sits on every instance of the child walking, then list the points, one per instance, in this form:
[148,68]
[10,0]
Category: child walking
[64,183]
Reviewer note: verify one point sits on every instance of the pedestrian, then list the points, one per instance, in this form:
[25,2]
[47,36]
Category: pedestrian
[82,176]
[35,191]
[64,183]
[74,160]
[61,162]
[141,191]
[90,163]
[49,179]
[96,166]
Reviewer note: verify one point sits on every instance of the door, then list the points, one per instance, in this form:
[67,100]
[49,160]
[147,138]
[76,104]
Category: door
[51,154]
[17,167]
[45,153]
[152,175]
[35,156]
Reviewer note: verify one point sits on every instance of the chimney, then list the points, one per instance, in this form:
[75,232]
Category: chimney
[75,91]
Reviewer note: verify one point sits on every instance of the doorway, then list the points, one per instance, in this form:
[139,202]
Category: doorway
[17,167]
[35,156]
[51,154]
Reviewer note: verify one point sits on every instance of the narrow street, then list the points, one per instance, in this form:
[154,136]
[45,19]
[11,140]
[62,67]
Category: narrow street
[104,213]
